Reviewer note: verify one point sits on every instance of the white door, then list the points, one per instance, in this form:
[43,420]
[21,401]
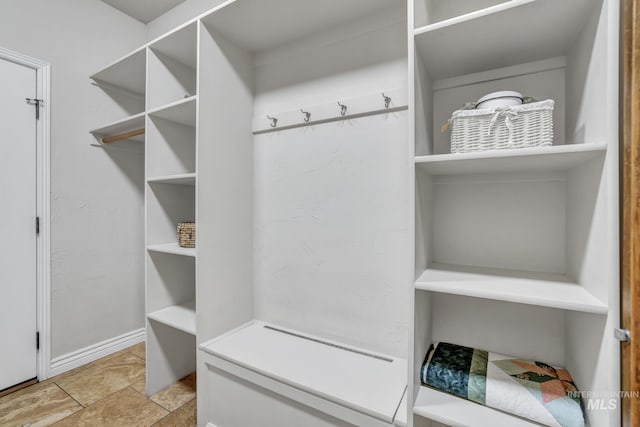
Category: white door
[17,225]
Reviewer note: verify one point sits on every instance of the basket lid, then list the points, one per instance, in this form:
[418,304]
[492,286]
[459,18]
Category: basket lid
[500,94]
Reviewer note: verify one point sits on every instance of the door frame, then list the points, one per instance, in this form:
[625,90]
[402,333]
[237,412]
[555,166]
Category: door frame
[43,240]
[630,207]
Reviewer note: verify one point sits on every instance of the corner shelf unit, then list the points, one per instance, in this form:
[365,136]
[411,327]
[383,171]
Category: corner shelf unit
[171,198]
[156,84]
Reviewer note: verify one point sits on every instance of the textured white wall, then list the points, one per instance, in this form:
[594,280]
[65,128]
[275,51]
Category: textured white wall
[96,194]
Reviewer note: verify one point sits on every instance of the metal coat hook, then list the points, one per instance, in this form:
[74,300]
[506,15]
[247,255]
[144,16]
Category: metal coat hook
[387,100]
[274,121]
[307,115]
[343,109]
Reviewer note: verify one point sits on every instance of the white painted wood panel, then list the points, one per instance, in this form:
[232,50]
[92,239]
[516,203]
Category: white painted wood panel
[18,195]
[546,27]
[563,157]
[181,317]
[536,333]
[330,208]
[514,221]
[543,289]
[366,382]
[457,412]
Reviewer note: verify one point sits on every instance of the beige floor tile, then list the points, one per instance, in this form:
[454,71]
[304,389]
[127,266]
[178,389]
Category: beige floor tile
[67,374]
[175,396]
[124,408]
[38,405]
[106,360]
[140,385]
[185,416]
[104,378]
[139,350]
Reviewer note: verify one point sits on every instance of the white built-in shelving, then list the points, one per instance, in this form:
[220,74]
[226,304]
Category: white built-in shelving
[494,37]
[182,111]
[516,246]
[173,249]
[181,179]
[181,317]
[453,411]
[121,126]
[127,73]
[542,289]
[509,242]
[157,85]
[558,157]
[172,62]
[171,182]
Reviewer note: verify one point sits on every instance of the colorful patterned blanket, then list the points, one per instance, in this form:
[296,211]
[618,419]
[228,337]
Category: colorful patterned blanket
[526,388]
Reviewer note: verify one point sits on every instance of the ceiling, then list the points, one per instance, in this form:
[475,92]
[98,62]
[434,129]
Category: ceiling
[144,11]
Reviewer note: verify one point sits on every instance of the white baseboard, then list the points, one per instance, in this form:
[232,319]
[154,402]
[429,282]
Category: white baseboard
[93,352]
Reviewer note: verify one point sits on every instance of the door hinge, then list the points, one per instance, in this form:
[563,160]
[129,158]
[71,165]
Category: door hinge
[37,225]
[38,103]
[622,335]
[37,340]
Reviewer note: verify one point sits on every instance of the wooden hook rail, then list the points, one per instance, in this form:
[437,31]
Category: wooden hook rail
[122,136]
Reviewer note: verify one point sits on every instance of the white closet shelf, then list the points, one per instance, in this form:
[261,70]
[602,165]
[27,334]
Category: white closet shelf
[127,73]
[541,289]
[179,44]
[173,249]
[368,383]
[182,179]
[181,317]
[455,411]
[258,25]
[509,33]
[182,111]
[556,157]
[127,124]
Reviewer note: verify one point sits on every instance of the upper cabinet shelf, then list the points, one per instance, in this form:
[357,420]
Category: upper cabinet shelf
[509,33]
[557,157]
[127,73]
[258,25]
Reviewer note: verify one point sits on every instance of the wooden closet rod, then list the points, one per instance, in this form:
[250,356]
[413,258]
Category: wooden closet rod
[122,136]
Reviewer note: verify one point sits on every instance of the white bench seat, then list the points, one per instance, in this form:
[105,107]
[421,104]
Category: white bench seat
[357,380]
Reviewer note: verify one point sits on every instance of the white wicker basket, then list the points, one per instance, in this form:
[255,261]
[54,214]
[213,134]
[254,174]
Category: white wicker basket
[526,125]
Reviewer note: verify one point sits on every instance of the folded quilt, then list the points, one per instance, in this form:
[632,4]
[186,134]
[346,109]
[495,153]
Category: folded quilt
[529,389]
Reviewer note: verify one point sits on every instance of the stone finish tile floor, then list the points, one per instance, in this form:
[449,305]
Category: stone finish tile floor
[107,392]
